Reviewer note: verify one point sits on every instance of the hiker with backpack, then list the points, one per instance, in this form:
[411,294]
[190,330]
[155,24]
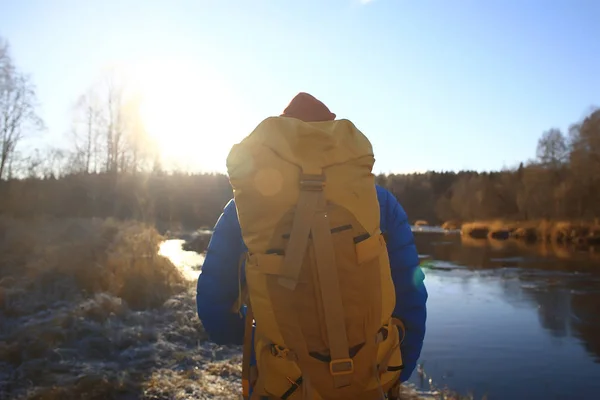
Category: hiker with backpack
[320,258]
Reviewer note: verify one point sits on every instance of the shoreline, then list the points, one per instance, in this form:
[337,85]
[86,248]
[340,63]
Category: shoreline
[577,233]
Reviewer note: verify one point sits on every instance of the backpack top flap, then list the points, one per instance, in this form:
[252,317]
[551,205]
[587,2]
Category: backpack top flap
[266,167]
[311,146]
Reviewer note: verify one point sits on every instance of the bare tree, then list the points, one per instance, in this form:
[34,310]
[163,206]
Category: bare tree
[34,163]
[108,124]
[86,133]
[552,150]
[140,150]
[17,107]
[110,94]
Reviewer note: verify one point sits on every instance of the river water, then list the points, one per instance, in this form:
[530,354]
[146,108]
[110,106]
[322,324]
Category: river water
[188,262]
[510,321]
[505,320]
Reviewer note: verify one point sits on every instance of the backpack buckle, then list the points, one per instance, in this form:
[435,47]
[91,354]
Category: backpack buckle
[312,182]
[282,352]
[343,366]
[278,351]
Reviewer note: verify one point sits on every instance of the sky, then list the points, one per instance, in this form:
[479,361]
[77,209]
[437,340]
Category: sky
[435,85]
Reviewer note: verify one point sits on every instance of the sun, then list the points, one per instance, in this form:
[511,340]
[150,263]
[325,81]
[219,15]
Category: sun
[188,111]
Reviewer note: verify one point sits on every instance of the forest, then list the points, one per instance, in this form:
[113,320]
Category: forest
[112,168]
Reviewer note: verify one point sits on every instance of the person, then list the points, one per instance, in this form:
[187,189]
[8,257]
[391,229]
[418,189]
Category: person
[219,282]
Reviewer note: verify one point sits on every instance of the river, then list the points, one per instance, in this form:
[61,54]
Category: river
[505,320]
[188,262]
[510,321]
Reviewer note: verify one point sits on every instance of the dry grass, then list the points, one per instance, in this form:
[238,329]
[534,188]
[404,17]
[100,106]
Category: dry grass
[54,260]
[101,349]
[88,310]
[494,244]
[476,230]
[451,225]
[409,393]
[577,233]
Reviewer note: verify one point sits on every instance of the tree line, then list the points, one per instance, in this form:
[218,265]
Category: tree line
[113,169]
[561,183]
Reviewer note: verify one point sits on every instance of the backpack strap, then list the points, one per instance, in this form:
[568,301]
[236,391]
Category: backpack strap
[341,365]
[307,389]
[248,372]
[311,190]
[247,354]
[311,217]
[243,295]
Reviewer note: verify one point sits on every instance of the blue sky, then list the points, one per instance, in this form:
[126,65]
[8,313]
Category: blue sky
[436,85]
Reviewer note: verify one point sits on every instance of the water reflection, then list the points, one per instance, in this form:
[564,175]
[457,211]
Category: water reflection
[478,253]
[188,262]
[585,320]
[469,280]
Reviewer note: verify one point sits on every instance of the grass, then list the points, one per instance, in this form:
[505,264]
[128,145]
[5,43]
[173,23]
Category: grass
[53,260]
[88,310]
[583,234]
[409,393]
[451,225]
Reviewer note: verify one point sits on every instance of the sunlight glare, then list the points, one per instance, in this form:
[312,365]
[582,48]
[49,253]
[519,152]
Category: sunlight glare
[190,112]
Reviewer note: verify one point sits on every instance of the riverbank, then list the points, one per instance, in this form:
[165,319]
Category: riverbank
[584,234]
[90,310]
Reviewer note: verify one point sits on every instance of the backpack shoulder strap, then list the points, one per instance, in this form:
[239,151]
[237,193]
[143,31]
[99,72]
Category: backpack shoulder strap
[311,217]
[341,365]
[248,371]
[311,192]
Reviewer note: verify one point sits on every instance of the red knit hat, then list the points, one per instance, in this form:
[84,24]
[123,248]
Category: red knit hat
[308,109]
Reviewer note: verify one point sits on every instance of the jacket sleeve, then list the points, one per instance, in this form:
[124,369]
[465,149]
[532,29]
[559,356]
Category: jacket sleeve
[411,294]
[218,283]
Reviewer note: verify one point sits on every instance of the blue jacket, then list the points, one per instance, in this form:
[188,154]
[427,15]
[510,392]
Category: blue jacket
[218,285]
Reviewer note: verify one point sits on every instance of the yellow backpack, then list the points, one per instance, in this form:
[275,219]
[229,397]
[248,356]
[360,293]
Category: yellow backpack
[317,269]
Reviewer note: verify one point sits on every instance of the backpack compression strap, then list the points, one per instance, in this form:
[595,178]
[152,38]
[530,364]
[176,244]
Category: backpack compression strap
[341,365]
[311,191]
[311,216]
[247,354]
